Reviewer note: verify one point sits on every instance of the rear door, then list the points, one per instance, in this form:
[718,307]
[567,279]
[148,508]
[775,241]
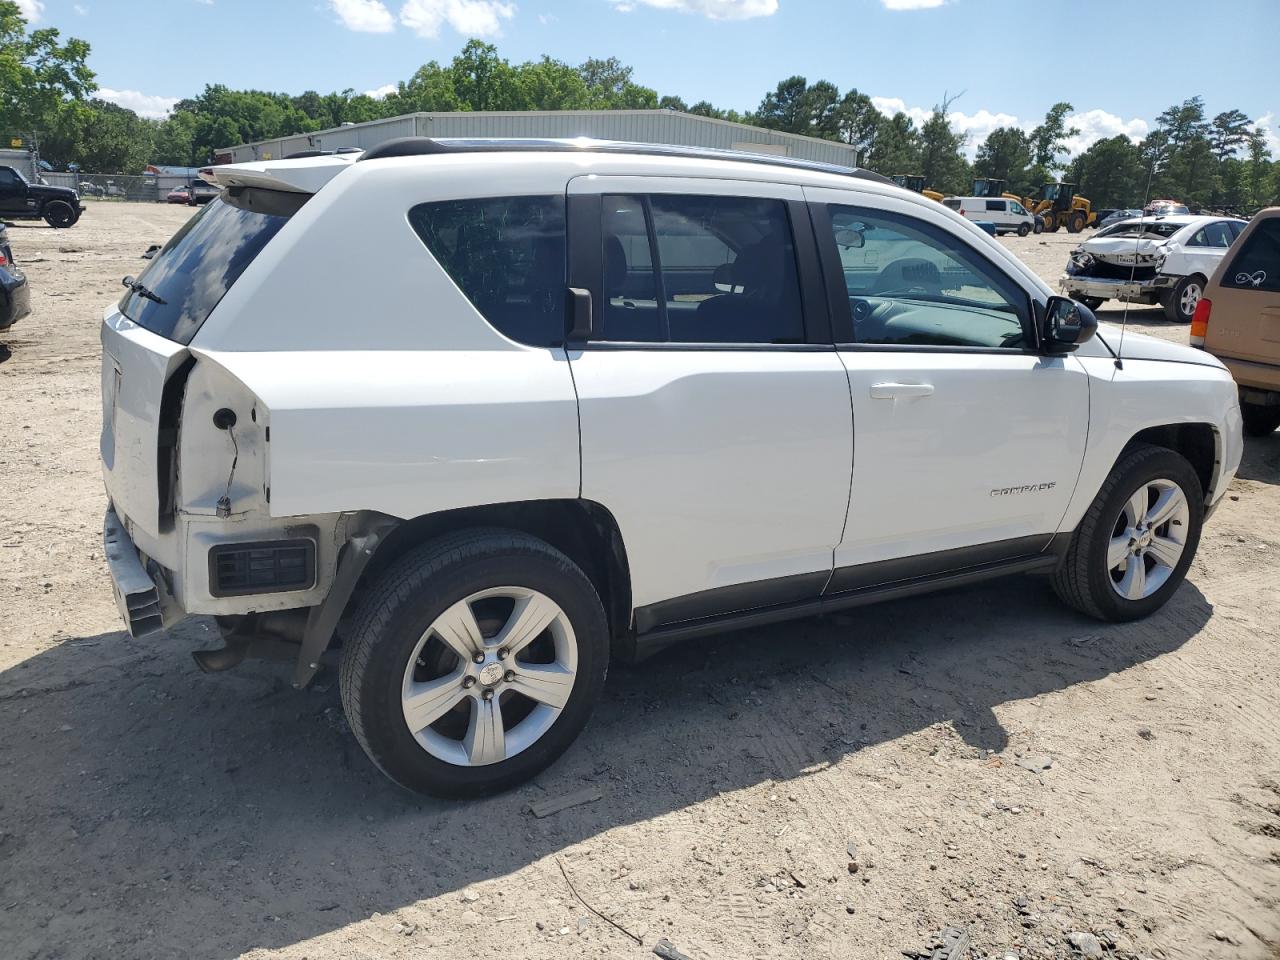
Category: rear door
[1245,320]
[715,415]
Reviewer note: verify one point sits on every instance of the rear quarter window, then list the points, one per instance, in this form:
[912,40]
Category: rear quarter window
[199,264]
[507,255]
[1257,264]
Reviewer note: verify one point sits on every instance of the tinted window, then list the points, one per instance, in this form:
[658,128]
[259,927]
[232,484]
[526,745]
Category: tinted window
[910,283]
[195,269]
[9,178]
[507,255]
[725,270]
[630,282]
[996,205]
[1257,265]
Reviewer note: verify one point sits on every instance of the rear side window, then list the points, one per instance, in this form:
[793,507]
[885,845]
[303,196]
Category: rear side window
[507,255]
[699,269]
[1257,265]
[996,205]
[194,270]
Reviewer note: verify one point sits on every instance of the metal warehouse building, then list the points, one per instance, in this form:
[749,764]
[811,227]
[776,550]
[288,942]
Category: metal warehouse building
[638,126]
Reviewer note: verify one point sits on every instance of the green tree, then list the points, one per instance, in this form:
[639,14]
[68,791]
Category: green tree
[38,72]
[610,87]
[941,159]
[482,80]
[896,148]
[786,107]
[1111,173]
[1048,139]
[1228,132]
[1005,155]
[856,122]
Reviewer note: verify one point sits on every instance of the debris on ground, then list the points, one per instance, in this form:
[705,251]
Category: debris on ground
[667,950]
[545,808]
[951,943]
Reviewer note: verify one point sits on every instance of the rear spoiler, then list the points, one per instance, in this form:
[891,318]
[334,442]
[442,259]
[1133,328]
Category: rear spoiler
[300,175]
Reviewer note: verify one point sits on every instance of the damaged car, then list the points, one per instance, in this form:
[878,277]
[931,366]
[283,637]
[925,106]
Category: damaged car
[1160,260]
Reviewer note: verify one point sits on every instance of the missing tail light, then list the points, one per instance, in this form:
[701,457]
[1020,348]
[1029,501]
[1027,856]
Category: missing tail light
[1200,322]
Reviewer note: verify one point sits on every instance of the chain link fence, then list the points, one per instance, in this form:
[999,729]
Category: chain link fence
[115,186]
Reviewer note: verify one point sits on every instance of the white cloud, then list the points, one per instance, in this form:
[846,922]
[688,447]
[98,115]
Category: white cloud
[378,93]
[712,9]
[80,8]
[546,19]
[364,16]
[1094,125]
[143,104]
[31,10]
[471,18]
[912,4]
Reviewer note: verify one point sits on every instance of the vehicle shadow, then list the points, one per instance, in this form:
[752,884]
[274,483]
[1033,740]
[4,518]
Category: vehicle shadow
[5,352]
[134,791]
[1261,460]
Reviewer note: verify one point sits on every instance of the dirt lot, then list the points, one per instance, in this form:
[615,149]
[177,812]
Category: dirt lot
[147,810]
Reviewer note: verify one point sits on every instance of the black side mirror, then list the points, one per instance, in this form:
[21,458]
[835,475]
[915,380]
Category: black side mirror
[1066,325]
[578,308]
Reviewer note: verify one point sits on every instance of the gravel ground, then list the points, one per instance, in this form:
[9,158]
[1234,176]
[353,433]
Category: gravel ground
[985,761]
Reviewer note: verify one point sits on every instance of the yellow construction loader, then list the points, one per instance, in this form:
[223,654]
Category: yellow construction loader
[1060,206]
[915,183]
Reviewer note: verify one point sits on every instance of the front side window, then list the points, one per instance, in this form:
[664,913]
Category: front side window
[507,256]
[699,269]
[9,178]
[1017,208]
[1257,264]
[910,283]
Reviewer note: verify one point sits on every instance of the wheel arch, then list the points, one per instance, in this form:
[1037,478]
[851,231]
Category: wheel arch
[1198,443]
[585,531]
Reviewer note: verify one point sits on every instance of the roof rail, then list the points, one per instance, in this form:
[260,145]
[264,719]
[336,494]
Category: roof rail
[427,146]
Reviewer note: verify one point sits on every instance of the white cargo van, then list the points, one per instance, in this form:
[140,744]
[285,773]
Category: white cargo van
[1008,215]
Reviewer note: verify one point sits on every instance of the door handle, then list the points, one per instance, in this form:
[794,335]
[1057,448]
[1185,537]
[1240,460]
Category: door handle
[892,391]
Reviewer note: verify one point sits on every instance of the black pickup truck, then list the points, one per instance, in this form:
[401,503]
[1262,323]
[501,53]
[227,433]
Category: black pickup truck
[15,298]
[20,200]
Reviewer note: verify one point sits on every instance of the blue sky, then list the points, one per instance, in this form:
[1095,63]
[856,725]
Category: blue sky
[905,53]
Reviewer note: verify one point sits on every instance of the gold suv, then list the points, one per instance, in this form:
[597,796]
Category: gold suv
[1238,320]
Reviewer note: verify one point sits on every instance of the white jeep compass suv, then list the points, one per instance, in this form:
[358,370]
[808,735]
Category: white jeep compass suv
[487,414]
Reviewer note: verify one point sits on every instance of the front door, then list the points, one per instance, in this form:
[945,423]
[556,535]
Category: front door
[715,415]
[13,192]
[967,441]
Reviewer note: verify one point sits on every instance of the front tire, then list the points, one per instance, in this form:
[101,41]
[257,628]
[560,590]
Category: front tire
[474,663]
[1075,223]
[1093,303]
[1137,540]
[59,214]
[1180,304]
[1023,229]
[1260,421]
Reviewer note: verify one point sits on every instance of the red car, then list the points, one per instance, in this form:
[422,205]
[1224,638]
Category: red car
[179,195]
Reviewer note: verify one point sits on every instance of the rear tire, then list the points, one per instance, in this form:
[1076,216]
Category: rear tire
[399,652]
[1260,421]
[1095,576]
[59,214]
[1023,229]
[1180,303]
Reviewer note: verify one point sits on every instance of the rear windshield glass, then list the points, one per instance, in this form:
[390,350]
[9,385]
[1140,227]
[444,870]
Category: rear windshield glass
[193,271]
[1135,228]
[1257,265]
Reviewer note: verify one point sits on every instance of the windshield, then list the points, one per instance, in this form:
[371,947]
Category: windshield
[1138,228]
[182,284]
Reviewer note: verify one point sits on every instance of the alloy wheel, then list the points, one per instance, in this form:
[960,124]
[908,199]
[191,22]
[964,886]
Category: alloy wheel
[490,676]
[1148,539]
[1191,294]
